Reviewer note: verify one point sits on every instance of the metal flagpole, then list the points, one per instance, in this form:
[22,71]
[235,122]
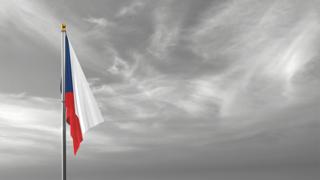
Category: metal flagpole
[64,154]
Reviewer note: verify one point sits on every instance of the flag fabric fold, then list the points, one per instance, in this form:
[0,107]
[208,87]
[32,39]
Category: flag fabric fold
[82,111]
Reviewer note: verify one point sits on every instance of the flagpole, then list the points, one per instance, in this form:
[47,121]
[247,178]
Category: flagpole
[64,154]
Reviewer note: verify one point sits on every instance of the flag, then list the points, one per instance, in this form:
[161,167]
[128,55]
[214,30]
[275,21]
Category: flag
[82,111]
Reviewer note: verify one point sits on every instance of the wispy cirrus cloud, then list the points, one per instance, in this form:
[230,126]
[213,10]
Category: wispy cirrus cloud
[100,22]
[32,18]
[131,9]
[31,131]
[29,125]
[165,35]
[255,54]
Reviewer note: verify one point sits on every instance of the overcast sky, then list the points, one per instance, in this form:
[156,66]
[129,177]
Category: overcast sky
[189,89]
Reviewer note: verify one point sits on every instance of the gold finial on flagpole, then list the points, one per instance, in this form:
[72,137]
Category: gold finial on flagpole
[63,27]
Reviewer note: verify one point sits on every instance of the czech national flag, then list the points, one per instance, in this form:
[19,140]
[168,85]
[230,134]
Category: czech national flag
[82,111]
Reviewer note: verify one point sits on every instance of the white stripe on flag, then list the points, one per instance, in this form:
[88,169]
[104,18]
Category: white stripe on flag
[86,106]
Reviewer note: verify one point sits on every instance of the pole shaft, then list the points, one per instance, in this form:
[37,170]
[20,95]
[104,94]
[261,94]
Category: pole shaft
[64,148]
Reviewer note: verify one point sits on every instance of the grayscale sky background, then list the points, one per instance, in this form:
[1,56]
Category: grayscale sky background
[189,89]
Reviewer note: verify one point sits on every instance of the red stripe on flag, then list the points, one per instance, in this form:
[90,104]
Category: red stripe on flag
[73,120]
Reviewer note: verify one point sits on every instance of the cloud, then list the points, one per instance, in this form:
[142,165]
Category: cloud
[100,22]
[32,18]
[165,34]
[29,124]
[31,130]
[262,52]
[131,9]
[35,20]
[119,66]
